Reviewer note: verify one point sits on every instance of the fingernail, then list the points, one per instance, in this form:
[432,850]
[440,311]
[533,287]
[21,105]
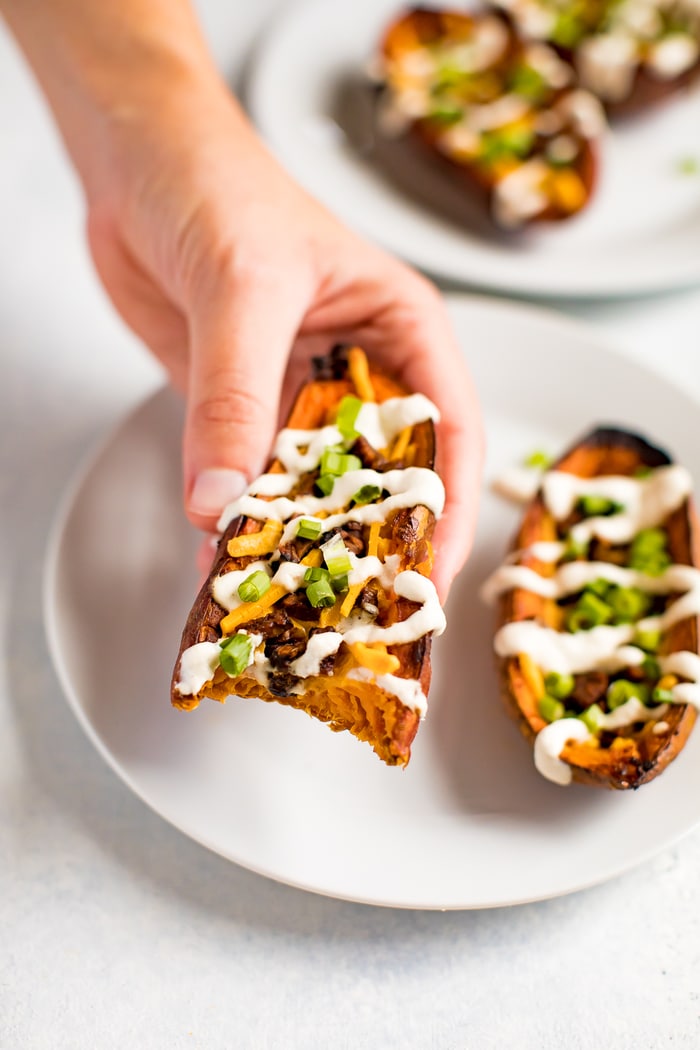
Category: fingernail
[214,488]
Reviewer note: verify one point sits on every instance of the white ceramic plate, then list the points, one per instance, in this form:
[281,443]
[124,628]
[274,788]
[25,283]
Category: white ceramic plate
[470,823]
[309,98]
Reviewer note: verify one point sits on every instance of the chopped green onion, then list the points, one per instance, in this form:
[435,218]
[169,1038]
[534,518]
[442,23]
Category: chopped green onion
[320,594]
[593,717]
[315,573]
[575,549]
[598,506]
[254,586]
[340,584]
[650,564]
[325,483]
[528,82]
[643,472]
[662,696]
[559,685]
[688,166]
[649,541]
[348,411]
[235,653]
[446,114]
[620,691]
[600,587]
[651,667]
[589,611]
[336,556]
[367,494]
[628,604]
[648,640]
[568,29]
[336,462]
[538,460]
[309,529]
[550,708]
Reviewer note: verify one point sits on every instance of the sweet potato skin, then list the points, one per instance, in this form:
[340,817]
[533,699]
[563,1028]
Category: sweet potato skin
[425,25]
[389,726]
[606,450]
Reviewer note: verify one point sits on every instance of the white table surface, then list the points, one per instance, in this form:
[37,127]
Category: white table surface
[117,931]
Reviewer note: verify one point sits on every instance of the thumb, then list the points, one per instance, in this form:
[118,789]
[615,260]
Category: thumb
[240,339]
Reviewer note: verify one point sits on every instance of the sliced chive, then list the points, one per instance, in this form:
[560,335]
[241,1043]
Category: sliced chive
[599,587]
[598,506]
[309,529]
[688,166]
[528,82]
[367,494]
[254,586]
[620,691]
[320,594]
[331,460]
[336,556]
[235,654]
[340,584]
[348,411]
[446,114]
[643,472]
[662,696]
[550,708]
[650,564]
[651,667]
[325,483]
[575,549]
[314,573]
[590,611]
[650,541]
[628,604]
[648,640]
[538,460]
[559,685]
[593,717]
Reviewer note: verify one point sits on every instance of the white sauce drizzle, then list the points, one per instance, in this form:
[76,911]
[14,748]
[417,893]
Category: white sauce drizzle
[197,666]
[550,743]
[224,589]
[519,484]
[318,648]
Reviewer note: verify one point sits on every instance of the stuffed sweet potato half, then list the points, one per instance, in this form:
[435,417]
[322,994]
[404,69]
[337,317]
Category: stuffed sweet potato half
[597,641]
[319,596]
[631,54]
[502,115]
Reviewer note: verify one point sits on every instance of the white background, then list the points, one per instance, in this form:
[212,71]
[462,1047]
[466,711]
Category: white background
[117,931]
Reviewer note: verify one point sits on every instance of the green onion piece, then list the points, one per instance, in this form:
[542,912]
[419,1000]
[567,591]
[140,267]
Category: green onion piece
[688,166]
[648,640]
[315,573]
[575,549]
[550,708]
[526,81]
[336,556]
[599,587]
[254,586]
[643,472]
[367,494]
[320,594]
[650,564]
[235,653]
[620,691]
[449,75]
[559,685]
[309,529]
[593,717]
[662,696]
[651,667]
[568,29]
[628,604]
[331,460]
[325,483]
[598,506]
[538,460]
[446,114]
[340,584]
[649,541]
[348,411]
[644,692]
[589,611]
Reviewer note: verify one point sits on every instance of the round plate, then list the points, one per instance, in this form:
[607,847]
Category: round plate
[310,98]
[469,823]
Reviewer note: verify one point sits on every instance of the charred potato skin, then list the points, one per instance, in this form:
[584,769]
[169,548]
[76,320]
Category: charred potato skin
[430,25]
[415,527]
[605,450]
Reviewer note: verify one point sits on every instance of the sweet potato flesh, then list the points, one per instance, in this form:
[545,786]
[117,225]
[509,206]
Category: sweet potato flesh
[359,706]
[632,755]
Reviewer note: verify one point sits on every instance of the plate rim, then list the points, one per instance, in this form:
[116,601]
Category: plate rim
[557,322]
[681,275]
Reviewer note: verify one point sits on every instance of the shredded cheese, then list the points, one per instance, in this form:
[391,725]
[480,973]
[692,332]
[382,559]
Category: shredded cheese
[358,369]
[255,543]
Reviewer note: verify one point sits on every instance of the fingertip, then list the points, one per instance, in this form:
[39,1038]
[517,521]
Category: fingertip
[212,490]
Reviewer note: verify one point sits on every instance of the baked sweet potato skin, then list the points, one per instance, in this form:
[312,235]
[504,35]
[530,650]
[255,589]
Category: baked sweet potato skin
[424,26]
[606,450]
[371,714]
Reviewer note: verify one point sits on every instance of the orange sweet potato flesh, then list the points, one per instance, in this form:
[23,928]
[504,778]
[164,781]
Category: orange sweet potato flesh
[639,756]
[424,26]
[360,707]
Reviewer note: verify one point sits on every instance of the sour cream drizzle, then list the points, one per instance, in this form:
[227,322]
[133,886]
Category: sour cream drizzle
[646,503]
